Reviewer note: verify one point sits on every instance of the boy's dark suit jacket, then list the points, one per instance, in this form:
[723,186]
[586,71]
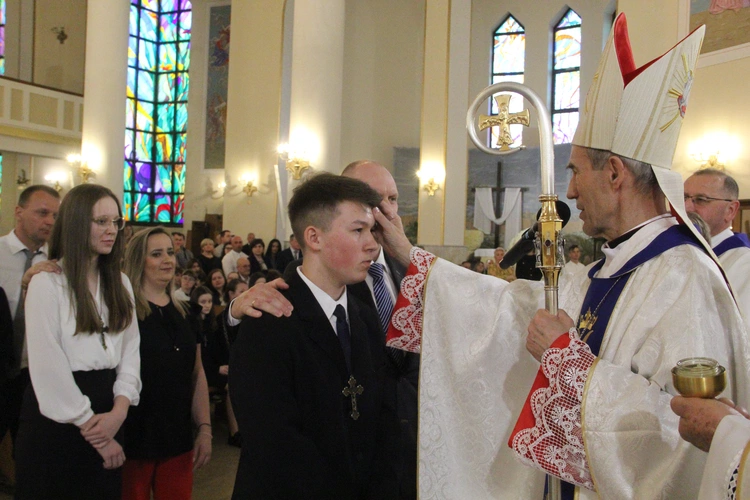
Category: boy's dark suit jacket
[285,382]
[405,370]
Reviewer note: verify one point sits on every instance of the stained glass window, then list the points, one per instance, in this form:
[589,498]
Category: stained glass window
[2,37]
[156,110]
[508,54]
[566,77]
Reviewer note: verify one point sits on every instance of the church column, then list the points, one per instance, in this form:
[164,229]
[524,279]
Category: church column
[103,141]
[253,101]
[317,80]
[443,149]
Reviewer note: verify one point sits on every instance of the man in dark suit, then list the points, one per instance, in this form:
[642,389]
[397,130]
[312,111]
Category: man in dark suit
[311,392]
[289,255]
[404,366]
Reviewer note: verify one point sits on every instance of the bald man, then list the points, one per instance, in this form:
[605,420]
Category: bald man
[380,290]
[713,194]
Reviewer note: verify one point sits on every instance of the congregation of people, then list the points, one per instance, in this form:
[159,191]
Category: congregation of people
[114,352]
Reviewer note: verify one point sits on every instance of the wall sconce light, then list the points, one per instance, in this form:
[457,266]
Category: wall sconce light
[22,181]
[84,170]
[56,178]
[714,151]
[60,32]
[219,191]
[431,176]
[249,187]
[297,160]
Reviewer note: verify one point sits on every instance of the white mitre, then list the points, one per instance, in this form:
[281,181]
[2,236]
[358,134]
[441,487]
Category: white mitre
[637,112]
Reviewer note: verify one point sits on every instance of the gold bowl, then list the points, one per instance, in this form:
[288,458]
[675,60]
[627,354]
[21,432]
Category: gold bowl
[699,378]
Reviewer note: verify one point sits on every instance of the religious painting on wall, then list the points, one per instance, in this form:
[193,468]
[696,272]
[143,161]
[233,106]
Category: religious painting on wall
[726,22]
[217,84]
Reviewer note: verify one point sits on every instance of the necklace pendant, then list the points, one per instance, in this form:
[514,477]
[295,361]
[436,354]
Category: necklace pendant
[104,341]
[176,348]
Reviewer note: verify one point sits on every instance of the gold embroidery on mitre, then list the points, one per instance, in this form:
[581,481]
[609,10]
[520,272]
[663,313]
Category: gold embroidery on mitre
[678,95]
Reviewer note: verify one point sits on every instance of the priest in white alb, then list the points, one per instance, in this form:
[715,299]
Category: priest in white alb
[494,422]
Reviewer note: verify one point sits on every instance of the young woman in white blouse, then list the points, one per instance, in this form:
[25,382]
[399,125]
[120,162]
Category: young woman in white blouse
[84,361]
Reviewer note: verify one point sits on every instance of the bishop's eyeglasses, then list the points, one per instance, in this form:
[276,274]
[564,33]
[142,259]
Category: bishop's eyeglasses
[701,200]
[104,222]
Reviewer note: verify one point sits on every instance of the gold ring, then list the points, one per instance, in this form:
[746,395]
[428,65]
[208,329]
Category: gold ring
[252,304]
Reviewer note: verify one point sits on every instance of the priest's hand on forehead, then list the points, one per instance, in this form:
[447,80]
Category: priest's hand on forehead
[389,232]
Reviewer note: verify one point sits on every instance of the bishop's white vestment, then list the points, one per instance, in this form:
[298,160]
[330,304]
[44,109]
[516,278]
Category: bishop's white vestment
[727,472]
[733,251]
[616,436]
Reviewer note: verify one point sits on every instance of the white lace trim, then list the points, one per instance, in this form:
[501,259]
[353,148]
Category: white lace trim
[407,318]
[555,443]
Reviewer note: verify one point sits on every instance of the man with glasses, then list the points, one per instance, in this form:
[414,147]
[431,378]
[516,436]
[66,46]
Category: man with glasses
[712,194]
[23,247]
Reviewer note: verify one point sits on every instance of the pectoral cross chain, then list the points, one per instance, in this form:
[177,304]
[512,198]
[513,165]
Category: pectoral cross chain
[352,390]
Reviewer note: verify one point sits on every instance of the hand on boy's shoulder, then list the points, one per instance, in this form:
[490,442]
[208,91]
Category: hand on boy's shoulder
[263,298]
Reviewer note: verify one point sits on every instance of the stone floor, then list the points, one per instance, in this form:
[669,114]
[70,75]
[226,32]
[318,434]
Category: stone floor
[215,481]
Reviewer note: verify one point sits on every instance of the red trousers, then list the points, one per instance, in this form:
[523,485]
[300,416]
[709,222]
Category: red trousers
[169,478]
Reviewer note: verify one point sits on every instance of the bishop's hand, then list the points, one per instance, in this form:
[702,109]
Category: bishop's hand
[544,329]
[390,234]
[699,418]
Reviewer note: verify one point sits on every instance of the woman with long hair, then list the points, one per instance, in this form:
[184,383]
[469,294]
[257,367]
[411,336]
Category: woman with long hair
[169,435]
[216,281]
[257,259]
[274,247]
[83,348]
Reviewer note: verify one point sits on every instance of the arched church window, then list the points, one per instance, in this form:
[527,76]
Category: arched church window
[156,110]
[566,77]
[508,54]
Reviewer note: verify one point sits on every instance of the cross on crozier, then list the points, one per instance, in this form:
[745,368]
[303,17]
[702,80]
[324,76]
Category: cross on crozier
[504,120]
[352,390]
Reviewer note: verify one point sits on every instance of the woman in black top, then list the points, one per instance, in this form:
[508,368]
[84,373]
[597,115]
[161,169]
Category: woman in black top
[274,247]
[162,442]
[207,259]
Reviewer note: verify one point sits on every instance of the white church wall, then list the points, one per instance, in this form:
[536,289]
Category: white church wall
[382,94]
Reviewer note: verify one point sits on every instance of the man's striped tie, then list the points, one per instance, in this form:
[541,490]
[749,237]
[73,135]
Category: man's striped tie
[382,298]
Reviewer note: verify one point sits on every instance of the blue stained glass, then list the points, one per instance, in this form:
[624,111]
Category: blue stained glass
[168,5]
[568,48]
[129,144]
[163,148]
[510,25]
[183,84]
[144,117]
[564,126]
[567,86]
[132,51]
[180,115]
[569,19]
[147,55]
[130,113]
[163,207]
[142,207]
[179,145]
[163,178]
[186,25]
[145,86]
[166,87]
[508,54]
[158,76]
[183,57]
[133,23]
[167,57]
[179,177]
[148,26]
[179,205]
[150,4]
[128,180]
[144,142]
[165,117]
[127,201]
[168,27]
